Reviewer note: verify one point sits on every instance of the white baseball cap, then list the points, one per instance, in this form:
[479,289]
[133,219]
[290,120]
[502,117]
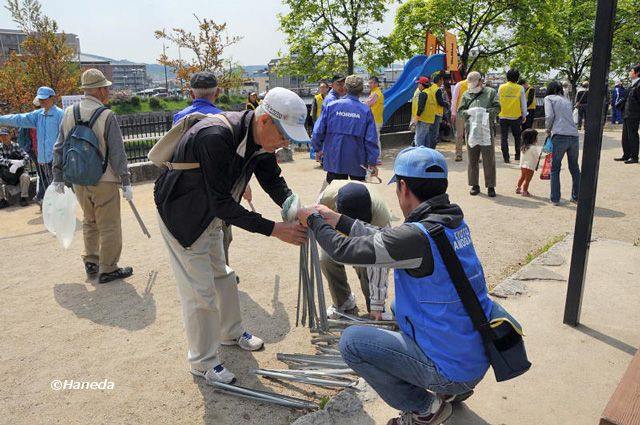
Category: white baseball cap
[289,113]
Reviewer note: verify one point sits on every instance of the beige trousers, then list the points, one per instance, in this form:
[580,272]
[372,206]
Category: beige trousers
[25,181]
[208,293]
[101,227]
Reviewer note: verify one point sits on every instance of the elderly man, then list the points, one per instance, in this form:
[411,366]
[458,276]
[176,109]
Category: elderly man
[362,202]
[479,143]
[346,135]
[12,173]
[46,121]
[204,92]
[337,91]
[100,203]
[212,164]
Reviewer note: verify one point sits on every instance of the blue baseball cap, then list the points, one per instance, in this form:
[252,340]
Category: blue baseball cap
[4,131]
[45,93]
[417,161]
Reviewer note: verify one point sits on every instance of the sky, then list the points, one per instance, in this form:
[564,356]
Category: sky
[123,29]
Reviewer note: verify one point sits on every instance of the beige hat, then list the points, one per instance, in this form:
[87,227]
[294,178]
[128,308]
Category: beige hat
[93,79]
[353,83]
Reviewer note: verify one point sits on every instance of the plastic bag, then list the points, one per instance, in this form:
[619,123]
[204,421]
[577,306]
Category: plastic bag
[575,116]
[545,174]
[479,127]
[59,214]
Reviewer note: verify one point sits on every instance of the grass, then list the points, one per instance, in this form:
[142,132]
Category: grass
[166,105]
[323,401]
[537,252]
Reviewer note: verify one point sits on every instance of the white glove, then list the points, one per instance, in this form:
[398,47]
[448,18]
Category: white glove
[127,192]
[15,164]
[59,187]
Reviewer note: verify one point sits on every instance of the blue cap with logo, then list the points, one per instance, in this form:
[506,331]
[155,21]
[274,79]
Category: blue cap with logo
[45,93]
[4,131]
[419,162]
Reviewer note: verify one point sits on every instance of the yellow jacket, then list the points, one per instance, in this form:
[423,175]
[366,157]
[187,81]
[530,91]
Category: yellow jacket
[377,109]
[510,98]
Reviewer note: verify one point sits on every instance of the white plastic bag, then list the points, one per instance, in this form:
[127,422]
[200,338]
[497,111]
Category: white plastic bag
[59,214]
[575,116]
[479,127]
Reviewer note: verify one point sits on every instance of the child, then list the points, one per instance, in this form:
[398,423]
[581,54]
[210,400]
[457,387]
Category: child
[528,160]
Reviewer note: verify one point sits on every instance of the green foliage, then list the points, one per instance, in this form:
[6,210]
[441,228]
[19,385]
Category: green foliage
[487,30]
[155,104]
[626,39]
[329,36]
[135,101]
[224,98]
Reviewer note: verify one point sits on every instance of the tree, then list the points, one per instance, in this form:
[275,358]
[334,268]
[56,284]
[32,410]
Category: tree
[329,36]
[626,41]
[487,30]
[47,59]
[207,48]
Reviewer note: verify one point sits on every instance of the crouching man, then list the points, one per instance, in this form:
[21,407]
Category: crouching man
[12,173]
[200,191]
[438,356]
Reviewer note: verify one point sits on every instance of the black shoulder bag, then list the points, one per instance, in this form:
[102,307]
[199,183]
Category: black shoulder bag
[501,335]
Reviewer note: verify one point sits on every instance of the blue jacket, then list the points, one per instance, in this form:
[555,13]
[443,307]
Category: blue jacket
[47,125]
[346,135]
[618,92]
[429,310]
[331,96]
[198,105]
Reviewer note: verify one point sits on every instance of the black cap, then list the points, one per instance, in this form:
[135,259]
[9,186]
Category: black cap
[338,77]
[203,80]
[354,201]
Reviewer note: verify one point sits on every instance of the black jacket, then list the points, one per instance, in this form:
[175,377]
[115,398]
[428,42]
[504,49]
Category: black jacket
[632,105]
[188,201]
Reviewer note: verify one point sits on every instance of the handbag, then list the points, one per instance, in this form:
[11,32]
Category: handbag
[545,174]
[501,334]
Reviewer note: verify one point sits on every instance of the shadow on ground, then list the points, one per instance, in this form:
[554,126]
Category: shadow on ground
[116,304]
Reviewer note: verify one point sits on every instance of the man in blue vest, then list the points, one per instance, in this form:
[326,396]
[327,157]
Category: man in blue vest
[437,357]
[347,137]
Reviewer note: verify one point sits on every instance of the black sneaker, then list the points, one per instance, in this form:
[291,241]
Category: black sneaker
[121,273]
[24,202]
[507,160]
[4,204]
[621,159]
[91,269]
[631,161]
[474,190]
[491,192]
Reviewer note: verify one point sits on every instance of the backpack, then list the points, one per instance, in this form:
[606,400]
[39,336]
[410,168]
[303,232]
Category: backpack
[82,161]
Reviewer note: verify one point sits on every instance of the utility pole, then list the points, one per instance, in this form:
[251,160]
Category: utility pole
[602,41]
[166,79]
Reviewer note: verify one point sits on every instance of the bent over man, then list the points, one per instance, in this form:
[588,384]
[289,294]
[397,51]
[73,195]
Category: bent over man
[211,166]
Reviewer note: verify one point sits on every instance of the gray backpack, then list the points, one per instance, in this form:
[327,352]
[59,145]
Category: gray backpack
[82,161]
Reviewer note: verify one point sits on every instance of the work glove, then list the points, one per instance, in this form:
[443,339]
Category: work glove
[290,208]
[59,187]
[15,164]
[127,193]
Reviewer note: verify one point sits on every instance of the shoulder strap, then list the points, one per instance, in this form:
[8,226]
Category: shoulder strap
[195,165]
[461,282]
[96,115]
[76,114]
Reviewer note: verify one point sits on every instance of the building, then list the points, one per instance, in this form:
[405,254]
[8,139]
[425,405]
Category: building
[256,78]
[287,81]
[129,75]
[98,62]
[11,41]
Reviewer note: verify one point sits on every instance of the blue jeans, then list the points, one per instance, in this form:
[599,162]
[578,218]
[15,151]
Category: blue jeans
[570,146]
[422,134]
[393,364]
[616,115]
[434,133]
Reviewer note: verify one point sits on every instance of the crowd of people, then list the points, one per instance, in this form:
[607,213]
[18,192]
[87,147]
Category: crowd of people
[208,158]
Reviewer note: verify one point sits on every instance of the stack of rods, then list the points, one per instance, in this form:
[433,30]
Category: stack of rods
[310,282]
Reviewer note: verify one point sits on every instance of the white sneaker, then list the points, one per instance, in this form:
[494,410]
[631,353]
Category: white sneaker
[216,374]
[246,341]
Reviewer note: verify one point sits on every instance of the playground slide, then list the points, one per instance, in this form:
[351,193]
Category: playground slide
[402,91]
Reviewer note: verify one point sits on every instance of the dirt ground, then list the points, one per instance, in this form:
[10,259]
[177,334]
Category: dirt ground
[56,325]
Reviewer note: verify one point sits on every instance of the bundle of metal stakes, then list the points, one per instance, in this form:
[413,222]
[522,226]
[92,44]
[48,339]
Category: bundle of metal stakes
[310,282]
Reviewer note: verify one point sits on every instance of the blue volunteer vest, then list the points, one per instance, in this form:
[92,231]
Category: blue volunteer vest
[429,310]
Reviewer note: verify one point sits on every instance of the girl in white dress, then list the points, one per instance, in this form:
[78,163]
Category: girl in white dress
[528,160]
